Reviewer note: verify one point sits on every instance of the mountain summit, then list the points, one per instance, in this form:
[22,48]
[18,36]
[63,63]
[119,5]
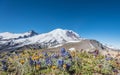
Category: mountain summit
[32,33]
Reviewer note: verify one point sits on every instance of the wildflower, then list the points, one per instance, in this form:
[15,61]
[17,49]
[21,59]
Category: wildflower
[64,66]
[22,61]
[60,62]
[54,56]
[107,57]
[3,62]
[37,62]
[115,70]
[31,62]
[37,67]
[68,65]
[23,55]
[35,57]
[4,67]
[48,61]
[54,67]
[45,54]
[67,54]
[40,56]
[64,53]
[63,50]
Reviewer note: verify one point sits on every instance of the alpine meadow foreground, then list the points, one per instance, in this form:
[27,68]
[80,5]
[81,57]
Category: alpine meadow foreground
[62,62]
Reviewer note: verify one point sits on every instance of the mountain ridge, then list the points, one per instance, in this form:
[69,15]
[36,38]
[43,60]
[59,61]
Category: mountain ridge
[54,38]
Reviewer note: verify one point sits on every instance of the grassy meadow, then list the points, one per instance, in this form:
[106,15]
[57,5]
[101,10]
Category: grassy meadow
[62,62]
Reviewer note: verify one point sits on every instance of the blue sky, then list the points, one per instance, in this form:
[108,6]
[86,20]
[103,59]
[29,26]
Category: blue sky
[94,19]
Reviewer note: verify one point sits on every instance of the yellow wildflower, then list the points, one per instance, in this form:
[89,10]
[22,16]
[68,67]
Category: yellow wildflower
[22,61]
[64,66]
[36,57]
[40,56]
[37,67]
[54,67]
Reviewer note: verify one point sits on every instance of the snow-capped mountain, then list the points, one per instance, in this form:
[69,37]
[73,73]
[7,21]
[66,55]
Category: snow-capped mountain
[55,38]
[50,39]
[8,35]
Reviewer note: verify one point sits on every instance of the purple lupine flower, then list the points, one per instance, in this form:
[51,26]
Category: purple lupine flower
[38,62]
[108,58]
[64,53]
[48,61]
[67,54]
[68,66]
[4,67]
[3,62]
[31,62]
[45,54]
[60,62]
[54,56]
[63,50]
[115,70]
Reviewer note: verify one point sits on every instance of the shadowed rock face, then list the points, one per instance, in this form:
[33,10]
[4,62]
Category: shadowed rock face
[71,34]
[32,33]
